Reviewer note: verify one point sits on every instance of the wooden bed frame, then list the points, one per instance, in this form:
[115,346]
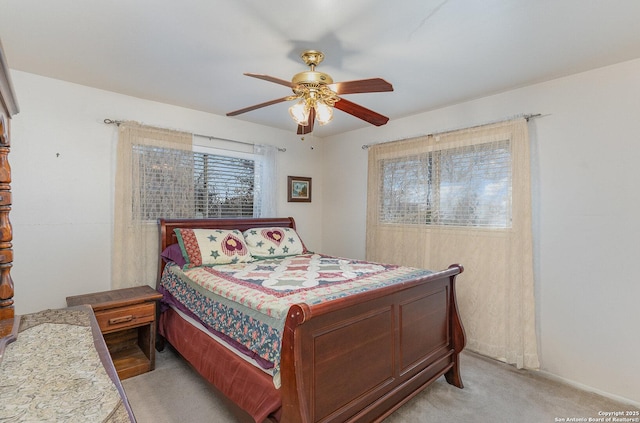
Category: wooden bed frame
[359,358]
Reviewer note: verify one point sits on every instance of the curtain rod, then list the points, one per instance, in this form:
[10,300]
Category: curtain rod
[210,137]
[527,117]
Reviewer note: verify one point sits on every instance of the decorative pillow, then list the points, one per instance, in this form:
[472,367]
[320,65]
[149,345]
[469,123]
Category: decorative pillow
[173,254]
[273,242]
[210,247]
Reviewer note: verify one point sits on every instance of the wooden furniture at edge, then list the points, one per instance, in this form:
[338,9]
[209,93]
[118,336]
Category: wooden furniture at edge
[127,319]
[8,108]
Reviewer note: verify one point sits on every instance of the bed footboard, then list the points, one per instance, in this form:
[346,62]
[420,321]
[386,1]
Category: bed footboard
[362,358]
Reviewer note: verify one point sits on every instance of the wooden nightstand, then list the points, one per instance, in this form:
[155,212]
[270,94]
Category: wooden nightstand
[127,319]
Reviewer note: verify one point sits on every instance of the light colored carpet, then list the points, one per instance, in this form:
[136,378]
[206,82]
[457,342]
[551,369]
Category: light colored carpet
[175,393]
[493,392]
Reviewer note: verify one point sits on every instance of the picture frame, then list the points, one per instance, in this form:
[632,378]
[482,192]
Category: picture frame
[298,189]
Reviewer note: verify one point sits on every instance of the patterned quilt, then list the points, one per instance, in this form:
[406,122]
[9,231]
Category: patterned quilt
[53,373]
[248,302]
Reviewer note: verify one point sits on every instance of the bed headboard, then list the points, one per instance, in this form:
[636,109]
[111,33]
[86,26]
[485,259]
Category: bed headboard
[168,236]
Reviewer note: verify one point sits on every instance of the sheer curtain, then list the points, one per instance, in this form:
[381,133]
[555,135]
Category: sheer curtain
[265,187]
[135,243]
[418,215]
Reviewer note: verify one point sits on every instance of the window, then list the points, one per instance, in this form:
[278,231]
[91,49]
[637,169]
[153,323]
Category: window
[224,186]
[199,184]
[437,199]
[464,186]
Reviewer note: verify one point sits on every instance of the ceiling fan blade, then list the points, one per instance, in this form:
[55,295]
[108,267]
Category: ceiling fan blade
[361,112]
[258,106]
[303,130]
[271,79]
[373,85]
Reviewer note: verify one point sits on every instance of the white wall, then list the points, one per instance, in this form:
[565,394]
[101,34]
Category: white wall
[63,165]
[586,155]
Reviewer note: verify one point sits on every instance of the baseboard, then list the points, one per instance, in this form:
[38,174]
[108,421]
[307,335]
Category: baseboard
[587,388]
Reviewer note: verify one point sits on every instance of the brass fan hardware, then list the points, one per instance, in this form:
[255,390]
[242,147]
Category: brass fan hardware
[317,95]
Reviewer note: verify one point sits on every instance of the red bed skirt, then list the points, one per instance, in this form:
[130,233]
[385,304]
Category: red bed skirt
[244,384]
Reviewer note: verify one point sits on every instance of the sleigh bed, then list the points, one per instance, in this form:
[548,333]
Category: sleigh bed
[352,344]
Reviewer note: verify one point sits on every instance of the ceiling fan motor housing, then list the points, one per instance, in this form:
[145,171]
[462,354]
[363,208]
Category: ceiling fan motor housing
[311,78]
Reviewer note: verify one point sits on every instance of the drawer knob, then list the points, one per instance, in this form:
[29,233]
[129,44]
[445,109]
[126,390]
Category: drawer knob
[122,319]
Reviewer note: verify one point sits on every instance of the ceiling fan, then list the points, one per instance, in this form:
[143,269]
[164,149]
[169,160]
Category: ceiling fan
[317,95]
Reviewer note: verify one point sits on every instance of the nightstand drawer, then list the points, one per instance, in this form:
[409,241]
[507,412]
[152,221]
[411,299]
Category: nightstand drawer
[126,317]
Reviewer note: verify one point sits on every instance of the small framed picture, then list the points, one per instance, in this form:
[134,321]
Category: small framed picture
[298,189]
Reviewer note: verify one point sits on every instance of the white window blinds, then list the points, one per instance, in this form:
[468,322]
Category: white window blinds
[461,186]
[183,184]
[224,186]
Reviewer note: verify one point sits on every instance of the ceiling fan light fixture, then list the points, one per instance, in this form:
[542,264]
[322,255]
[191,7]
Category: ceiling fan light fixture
[300,112]
[324,113]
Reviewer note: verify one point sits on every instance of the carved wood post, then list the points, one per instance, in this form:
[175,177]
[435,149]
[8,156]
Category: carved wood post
[6,231]
[8,108]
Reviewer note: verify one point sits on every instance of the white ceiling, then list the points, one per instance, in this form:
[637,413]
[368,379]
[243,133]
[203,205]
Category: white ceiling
[192,53]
